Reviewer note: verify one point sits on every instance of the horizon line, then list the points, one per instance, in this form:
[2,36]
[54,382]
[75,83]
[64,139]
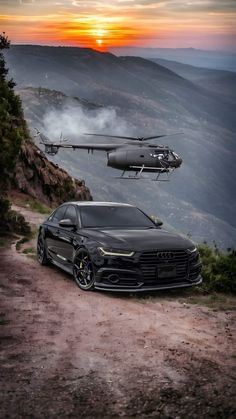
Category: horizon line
[126,47]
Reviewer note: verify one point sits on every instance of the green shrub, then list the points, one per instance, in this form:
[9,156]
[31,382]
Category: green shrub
[11,221]
[218,269]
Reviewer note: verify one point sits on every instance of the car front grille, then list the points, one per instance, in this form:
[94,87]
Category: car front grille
[149,262]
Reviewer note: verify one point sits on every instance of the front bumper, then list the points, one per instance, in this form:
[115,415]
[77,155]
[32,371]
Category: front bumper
[143,271]
[133,280]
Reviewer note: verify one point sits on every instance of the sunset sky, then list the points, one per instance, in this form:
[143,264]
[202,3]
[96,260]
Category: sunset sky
[206,24]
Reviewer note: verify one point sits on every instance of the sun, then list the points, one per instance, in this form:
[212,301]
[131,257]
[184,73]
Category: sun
[100,36]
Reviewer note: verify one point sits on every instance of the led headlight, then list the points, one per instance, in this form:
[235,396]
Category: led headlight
[192,250]
[110,252]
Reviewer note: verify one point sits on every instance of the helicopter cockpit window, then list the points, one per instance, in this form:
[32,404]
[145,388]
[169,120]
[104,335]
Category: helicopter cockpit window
[171,156]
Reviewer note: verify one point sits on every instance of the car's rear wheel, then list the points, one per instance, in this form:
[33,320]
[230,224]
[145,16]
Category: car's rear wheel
[83,270]
[42,251]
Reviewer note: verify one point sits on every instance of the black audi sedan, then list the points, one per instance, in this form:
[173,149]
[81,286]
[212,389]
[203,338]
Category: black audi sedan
[114,246]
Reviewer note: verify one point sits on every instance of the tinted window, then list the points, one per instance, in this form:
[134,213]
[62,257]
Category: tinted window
[58,214]
[108,216]
[71,214]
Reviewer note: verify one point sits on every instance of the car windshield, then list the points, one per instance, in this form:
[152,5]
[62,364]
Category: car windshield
[113,217]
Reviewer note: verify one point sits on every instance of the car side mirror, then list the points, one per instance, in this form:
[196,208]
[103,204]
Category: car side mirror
[156,221]
[67,223]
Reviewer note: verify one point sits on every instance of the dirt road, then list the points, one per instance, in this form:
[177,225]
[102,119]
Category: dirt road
[73,354]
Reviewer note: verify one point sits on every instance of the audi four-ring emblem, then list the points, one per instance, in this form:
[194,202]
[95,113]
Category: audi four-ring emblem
[165,255]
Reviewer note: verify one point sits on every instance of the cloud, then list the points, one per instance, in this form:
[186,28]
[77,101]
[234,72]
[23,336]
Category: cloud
[125,22]
[199,5]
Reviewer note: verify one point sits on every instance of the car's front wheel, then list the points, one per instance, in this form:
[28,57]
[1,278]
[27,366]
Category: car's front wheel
[42,251]
[83,270]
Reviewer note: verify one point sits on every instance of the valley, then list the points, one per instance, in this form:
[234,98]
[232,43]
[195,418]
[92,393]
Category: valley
[76,90]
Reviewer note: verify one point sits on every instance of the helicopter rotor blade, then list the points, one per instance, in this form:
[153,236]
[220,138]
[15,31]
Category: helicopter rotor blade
[112,136]
[133,138]
[160,136]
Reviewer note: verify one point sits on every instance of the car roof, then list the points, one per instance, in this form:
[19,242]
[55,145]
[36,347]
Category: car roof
[98,203]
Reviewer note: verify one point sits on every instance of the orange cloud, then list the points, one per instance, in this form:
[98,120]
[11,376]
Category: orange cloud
[103,24]
[92,33]
[89,31]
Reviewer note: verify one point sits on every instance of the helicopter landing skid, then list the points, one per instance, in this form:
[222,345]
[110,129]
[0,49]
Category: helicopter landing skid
[138,174]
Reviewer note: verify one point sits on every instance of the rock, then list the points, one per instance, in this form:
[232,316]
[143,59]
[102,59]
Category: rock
[36,176]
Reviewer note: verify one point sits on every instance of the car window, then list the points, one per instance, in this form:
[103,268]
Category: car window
[58,214]
[71,214]
[114,216]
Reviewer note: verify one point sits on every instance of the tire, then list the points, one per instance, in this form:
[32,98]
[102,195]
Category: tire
[42,251]
[83,270]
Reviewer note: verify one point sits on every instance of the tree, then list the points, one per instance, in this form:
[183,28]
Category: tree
[13,130]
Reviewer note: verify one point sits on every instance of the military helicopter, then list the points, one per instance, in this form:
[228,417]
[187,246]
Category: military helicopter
[135,155]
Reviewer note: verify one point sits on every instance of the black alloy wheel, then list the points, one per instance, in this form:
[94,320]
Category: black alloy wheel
[83,270]
[42,251]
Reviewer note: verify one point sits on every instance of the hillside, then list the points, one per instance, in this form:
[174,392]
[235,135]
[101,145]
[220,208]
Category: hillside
[139,97]
[220,82]
[132,84]
[214,59]
[23,166]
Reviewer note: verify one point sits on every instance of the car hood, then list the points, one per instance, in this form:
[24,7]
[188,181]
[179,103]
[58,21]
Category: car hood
[139,239]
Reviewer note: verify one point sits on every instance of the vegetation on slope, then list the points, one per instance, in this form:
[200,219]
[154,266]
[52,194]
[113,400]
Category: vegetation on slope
[13,130]
[13,133]
[218,269]
[22,165]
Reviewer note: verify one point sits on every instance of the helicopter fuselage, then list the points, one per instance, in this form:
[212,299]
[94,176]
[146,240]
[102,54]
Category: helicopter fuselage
[150,158]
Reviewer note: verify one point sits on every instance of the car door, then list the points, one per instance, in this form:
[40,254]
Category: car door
[67,237]
[53,231]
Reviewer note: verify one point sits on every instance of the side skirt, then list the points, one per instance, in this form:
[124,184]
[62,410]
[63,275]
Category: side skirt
[63,267]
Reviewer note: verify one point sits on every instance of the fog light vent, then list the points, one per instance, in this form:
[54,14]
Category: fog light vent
[113,278]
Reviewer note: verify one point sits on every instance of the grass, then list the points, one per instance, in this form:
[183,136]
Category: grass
[7,240]
[38,206]
[29,250]
[19,243]
[213,300]
[33,233]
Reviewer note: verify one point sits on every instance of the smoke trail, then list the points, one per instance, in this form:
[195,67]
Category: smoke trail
[73,121]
